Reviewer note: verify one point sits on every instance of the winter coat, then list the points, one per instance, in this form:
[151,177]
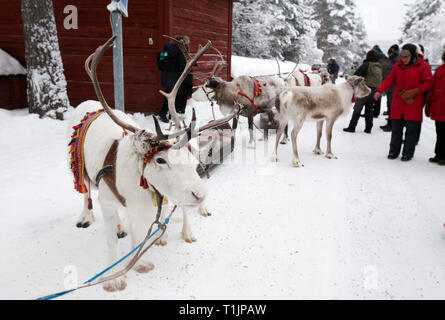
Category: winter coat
[388,64]
[416,76]
[174,65]
[333,68]
[436,96]
[161,61]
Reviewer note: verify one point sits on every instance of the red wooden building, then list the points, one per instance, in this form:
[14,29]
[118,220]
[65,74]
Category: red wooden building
[148,20]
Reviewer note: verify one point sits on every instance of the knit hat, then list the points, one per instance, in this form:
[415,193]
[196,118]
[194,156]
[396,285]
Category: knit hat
[409,49]
[394,49]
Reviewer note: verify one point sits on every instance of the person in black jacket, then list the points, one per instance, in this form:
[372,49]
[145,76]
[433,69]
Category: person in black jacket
[393,54]
[371,70]
[333,69]
[173,66]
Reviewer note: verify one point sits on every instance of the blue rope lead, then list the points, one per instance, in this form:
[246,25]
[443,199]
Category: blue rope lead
[57,295]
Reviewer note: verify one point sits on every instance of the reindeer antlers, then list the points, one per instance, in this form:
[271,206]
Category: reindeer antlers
[91,71]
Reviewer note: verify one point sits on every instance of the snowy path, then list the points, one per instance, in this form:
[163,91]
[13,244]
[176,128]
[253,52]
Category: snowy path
[360,227]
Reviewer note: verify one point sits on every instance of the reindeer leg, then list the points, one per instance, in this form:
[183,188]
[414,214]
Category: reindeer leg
[121,233]
[251,144]
[329,127]
[271,122]
[286,136]
[280,131]
[204,211]
[187,234]
[87,216]
[317,149]
[162,241]
[109,214]
[297,127]
[140,221]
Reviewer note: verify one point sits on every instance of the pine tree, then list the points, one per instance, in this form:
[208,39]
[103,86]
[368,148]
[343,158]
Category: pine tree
[341,34]
[46,84]
[280,29]
[424,24]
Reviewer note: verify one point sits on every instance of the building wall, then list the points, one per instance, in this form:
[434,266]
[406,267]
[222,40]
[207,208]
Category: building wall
[202,20]
[141,76]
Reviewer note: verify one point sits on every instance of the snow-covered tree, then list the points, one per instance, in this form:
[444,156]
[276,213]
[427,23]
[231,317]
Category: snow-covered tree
[280,29]
[46,84]
[341,34]
[424,24]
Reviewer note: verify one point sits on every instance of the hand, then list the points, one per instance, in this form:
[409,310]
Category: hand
[377,95]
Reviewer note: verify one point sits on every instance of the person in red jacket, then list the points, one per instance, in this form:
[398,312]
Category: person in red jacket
[412,78]
[435,108]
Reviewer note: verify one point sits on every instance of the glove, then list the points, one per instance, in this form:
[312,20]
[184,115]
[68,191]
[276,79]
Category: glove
[428,110]
[408,95]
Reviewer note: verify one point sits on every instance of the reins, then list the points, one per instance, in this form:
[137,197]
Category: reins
[140,252]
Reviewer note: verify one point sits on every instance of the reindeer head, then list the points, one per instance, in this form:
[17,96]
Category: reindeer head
[361,90]
[168,166]
[325,77]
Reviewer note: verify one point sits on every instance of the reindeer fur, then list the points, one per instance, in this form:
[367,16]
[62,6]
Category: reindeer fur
[325,103]
[177,180]
[226,95]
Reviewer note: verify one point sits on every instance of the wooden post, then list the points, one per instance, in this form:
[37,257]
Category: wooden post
[117,8]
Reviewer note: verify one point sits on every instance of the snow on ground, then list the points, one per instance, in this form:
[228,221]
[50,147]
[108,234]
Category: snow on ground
[250,66]
[360,227]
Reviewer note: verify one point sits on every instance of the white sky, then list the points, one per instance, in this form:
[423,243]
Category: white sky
[383,18]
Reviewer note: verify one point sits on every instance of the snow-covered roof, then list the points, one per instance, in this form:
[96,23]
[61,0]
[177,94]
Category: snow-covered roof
[9,65]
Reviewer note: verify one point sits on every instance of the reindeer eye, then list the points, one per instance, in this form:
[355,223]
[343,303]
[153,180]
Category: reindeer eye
[161,161]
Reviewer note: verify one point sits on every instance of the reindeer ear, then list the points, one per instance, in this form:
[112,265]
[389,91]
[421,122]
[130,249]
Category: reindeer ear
[143,141]
[358,80]
[355,80]
[213,83]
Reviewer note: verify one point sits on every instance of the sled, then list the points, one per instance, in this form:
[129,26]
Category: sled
[262,122]
[214,146]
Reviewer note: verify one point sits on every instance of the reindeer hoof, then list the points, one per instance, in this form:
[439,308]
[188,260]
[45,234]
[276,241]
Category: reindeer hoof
[161,242]
[85,220]
[121,234]
[285,141]
[83,225]
[251,146]
[144,267]
[188,237]
[318,152]
[204,212]
[297,164]
[114,285]
[274,158]
[331,156]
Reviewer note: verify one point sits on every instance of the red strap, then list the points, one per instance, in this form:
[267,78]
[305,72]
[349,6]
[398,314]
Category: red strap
[250,100]
[307,81]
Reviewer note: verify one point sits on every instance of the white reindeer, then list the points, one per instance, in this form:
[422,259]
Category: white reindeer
[327,102]
[171,171]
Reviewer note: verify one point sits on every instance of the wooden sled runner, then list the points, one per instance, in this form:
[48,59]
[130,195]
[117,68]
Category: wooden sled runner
[214,146]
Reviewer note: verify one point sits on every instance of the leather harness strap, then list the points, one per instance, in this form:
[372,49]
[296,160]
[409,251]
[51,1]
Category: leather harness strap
[108,172]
